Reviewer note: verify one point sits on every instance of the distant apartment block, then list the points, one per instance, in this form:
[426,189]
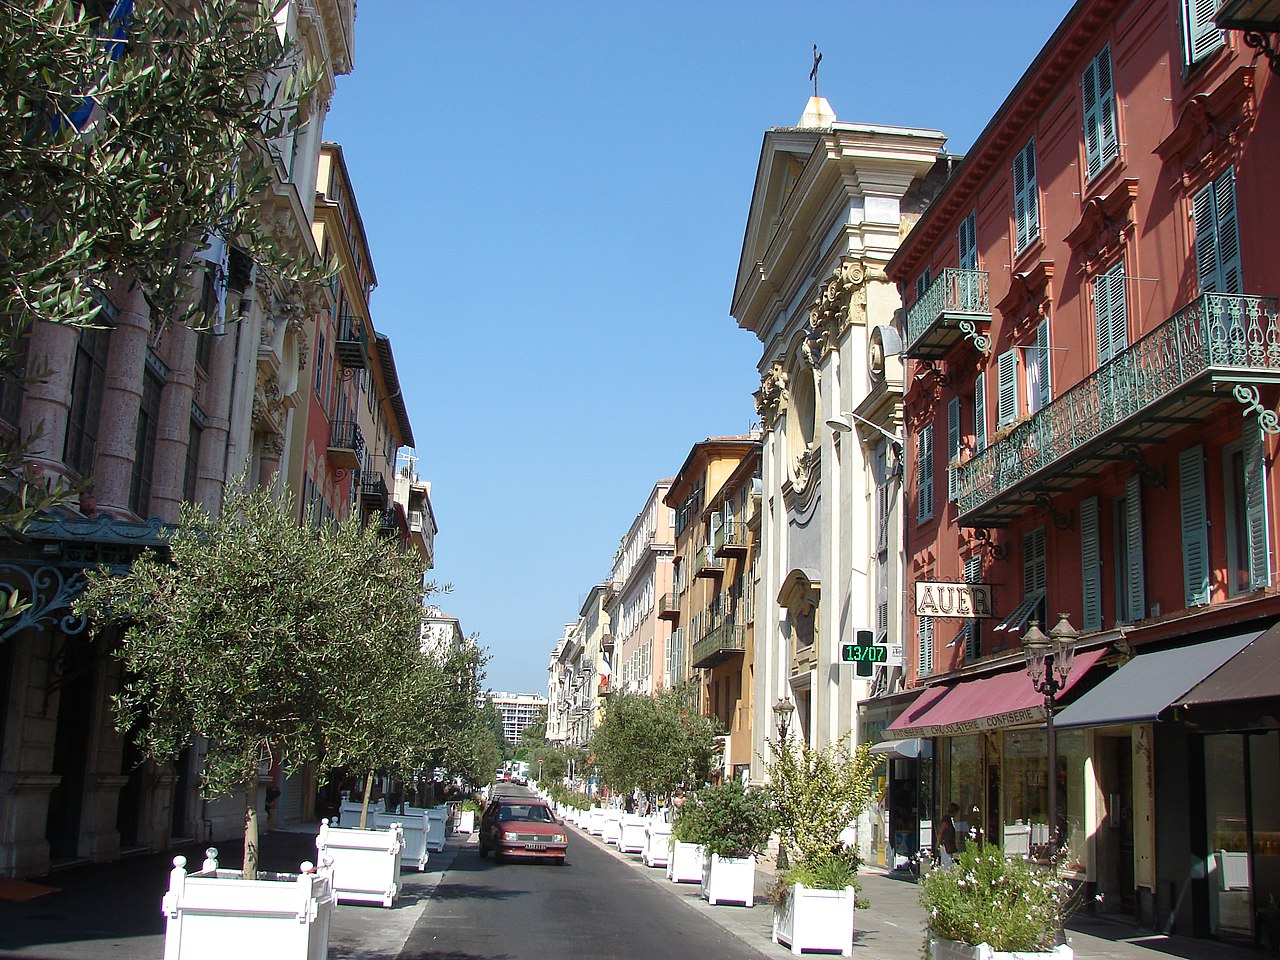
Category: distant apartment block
[518,710]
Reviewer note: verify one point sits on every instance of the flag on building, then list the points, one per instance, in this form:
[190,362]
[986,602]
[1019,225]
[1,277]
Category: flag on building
[605,670]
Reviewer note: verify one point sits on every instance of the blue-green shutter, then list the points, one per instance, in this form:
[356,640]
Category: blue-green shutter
[980,412]
[973,626]
[1101,145]
[924,662]
[924,473]
[1206,239]
[953,445]
[1007,387]
[1043,387]
[1195,526]
[1090,564]
[1026,200]
[1200,34]
[1110,309]
[967,242]
[1226,224]
[1255,500]
[1135,578]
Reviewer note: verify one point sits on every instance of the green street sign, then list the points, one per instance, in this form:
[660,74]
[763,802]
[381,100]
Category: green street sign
[865,652]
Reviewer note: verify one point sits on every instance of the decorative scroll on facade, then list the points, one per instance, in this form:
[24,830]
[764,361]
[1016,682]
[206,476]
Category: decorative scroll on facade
[771,398]
[1105,227]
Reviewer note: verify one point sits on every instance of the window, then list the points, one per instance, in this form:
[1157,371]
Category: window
[1217,236]
[924,473]
[924,662]
[1110,313]
[973,626]
[144,444]
[320,365]
[1026,197]
[1200,36]
[922,283]
[1195,526]
[1007,387]
[1101,144]
[880,471]
[1035,577]
[967,242]
[1131,602]
[1090,565]
[1248,552]
[980,413]
[1039,392]
[87,382]
[953,446]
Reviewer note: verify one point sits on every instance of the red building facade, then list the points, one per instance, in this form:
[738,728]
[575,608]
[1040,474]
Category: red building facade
[1094,366]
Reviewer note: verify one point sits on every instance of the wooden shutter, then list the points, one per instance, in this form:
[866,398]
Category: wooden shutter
[1007,387]
[1026,202]
[1228,234]
[953,445]
[924,662]
[1206,233]
[1255,500]
[967,242]
[924,474]
[1034,573]
[980,412]
[1200,33]
[1111,318]
[1195,527]
[1100,142]
[1090,564]
[1135,588]
[973,626]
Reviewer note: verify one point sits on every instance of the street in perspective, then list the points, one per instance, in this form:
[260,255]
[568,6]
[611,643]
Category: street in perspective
[404,555]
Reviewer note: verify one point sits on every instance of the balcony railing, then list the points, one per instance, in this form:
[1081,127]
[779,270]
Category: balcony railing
[346,445]
[707,563]
[668,607]
[373,490]
[933,322]
[731,539]
[352,344]
[719,644]
[1166,380]
[389,524]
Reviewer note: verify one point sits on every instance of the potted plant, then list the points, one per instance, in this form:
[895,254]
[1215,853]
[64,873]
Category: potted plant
[987,906]
[684,860]
[817,793]
[734,823]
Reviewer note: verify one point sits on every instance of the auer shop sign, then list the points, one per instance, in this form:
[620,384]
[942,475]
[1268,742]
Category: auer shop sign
[966,600]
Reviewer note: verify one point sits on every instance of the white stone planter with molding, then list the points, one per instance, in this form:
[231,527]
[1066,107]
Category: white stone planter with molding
[414,827]
[631,833]
[812,919]
[684,862]
[366,863]
[657,844]
[940,949]
[729,880]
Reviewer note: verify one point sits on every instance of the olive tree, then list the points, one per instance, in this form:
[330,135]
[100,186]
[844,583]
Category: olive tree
[268,639]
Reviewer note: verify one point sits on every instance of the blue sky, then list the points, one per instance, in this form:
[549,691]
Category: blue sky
[555,195]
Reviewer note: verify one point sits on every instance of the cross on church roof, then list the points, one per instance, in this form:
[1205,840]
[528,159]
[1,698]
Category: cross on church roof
[813,74]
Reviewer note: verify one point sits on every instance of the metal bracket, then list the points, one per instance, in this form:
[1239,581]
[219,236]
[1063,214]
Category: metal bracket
[995,550]
[1152,476]
[935,369]
[981,341]
[1063,521]
[1261,42]
[1247,394]
[49,591]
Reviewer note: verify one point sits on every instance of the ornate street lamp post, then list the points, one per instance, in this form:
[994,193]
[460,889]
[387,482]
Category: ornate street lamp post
[782,711]
[1049,660]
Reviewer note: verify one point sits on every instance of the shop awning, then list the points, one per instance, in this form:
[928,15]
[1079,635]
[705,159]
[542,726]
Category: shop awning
[908,749]
[1243,694]
[1138,691]
[1002,700]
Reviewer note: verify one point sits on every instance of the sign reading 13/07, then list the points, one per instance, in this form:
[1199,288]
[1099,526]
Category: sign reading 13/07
[865,652]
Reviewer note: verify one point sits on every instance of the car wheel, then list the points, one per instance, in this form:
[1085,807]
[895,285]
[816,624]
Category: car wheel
[497,855]
[559,861]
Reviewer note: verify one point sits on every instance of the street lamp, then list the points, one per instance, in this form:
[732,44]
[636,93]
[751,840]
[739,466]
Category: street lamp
[1049,660]
[782,711]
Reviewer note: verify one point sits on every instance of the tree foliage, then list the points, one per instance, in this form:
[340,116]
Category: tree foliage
[817,792]
[653,743]
[729,819]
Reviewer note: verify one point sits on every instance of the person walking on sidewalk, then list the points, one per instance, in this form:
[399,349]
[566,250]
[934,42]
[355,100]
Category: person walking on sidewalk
[947,845]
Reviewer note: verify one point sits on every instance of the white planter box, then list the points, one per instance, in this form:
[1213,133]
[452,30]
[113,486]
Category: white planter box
[214,914]
[657,845]
[684,863]
[940,949]
[366,863]
[631,833]
[414,855]
[595,821]
[436,820]
[729,880]
[467,821]
[611,830]
[349,812]
[815,920]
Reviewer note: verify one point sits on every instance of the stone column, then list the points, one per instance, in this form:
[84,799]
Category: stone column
[211,474]
[47,402]
[118,419]
[174,428]
[271,449]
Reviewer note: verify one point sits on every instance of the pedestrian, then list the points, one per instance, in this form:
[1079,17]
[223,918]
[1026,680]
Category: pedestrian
[947,845]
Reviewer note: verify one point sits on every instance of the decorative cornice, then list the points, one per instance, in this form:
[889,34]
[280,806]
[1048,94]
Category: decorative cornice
[772,397]
[1030,292]
[1212,128]
[841,303]
[1106,224]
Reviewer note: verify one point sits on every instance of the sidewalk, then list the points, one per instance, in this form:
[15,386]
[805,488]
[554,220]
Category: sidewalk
[111,911]
[892,927]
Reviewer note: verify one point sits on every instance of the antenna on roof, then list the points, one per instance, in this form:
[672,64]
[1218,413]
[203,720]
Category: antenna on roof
[813,74]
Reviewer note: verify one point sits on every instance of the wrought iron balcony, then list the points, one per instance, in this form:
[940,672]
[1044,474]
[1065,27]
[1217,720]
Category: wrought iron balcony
[389,524]
[1167,380]
[731,539]
[707,563]
[373,490]
[935,321]
[668,607]
[352,344]
[346,445]
[719,644]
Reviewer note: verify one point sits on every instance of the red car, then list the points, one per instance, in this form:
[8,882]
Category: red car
[522,828]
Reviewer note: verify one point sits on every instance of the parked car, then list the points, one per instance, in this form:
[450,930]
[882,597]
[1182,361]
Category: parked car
[518,828]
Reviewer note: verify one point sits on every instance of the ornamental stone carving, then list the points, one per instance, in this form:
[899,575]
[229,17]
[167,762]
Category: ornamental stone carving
[771,398]
[841,303]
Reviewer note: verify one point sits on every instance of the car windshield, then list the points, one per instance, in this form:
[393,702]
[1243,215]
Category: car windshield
[525,812]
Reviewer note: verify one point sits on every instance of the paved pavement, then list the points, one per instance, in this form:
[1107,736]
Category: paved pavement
[112,912]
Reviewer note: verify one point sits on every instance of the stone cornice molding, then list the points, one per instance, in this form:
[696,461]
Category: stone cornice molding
[1106,224]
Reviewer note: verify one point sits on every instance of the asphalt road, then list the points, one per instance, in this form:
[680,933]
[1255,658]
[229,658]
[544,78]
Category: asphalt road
[592,908]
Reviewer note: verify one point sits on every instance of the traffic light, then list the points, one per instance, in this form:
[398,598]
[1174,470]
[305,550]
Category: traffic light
[864,652]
